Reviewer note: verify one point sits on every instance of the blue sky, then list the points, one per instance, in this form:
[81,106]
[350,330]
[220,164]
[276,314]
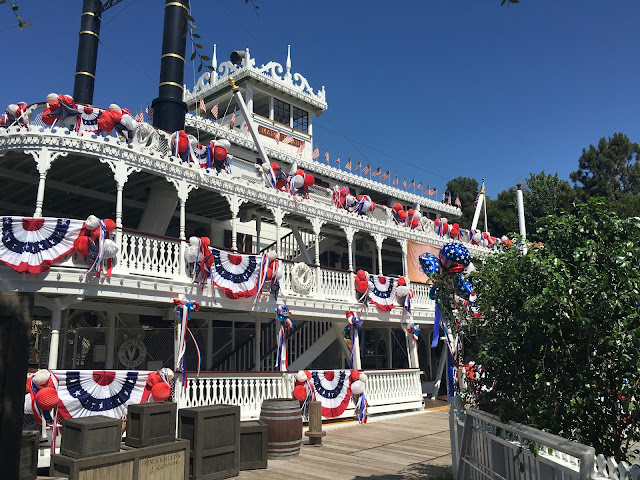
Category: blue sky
[430,89]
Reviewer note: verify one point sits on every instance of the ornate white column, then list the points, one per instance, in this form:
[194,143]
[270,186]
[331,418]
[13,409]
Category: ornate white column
[44,158]
[350,233]
[56,305]
[316,223]
[379,238]
[121,172]
[405,266]
[183,188]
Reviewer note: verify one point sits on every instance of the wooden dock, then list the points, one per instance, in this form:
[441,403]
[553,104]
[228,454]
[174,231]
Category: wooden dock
[405,447]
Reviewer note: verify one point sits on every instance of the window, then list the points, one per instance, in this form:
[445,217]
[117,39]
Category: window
[281,111]
[261,104]
[300,120]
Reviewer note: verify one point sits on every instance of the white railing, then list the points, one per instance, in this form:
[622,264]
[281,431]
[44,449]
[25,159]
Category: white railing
[154,257]
[337,284]
[421,294]
[387,390]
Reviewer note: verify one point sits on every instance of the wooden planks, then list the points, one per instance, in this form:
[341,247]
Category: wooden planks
[409,447]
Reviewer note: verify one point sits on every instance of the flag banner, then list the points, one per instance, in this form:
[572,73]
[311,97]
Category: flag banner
[358,165]
[366,169]
[237,275]
[395,180]
[316,153]
[419,186]
[214,111]
[414,251]
[202,107]
[383,294]
[326,156]
[88,121]
[33,244]
[385,176]
[84,393]
[301,147]
[333,391]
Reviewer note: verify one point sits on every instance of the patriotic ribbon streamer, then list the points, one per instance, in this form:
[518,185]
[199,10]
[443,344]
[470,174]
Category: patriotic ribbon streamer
[353,324]
[183,313]
[362,408]
[262,276]
[285,324]
[436,327]
[311,396]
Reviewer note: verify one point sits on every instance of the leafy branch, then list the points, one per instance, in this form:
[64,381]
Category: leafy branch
[510,1]
[15,9]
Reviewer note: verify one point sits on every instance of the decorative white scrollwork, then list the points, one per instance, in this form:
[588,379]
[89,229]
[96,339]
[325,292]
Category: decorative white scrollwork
[301,277]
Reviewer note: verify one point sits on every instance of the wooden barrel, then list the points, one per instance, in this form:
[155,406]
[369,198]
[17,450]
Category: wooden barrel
[282,416]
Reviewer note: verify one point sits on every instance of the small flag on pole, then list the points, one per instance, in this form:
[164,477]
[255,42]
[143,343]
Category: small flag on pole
[347,165]
[376,172]
[287,140]
[385,176]
[395,180]
[277,138]
[367,169]
[316,153]
[358,165]
[202,107]
[149,112]
[449,199]
[214,111]
[413,182]
[301,147]
[404,183]
[232,122]
[139,117]
[338,160]
[419,187]
[326,156]
[245,127]
[457,202]
[443,197]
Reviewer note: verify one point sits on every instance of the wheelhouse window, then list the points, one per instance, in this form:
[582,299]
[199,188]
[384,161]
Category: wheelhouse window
[261,104]
[300,120]
[281,111]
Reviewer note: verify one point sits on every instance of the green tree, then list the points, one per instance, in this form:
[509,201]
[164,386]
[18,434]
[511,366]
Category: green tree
[466,189]
[502,213]
[545,195]
[610,170]
[558,341]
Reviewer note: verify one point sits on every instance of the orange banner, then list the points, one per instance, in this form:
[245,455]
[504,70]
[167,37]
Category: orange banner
[414,250]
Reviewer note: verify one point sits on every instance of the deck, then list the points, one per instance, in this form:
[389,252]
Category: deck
[404,447]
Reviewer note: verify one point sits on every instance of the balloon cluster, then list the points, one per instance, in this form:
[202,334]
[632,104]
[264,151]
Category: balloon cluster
[353,322]
[159,384]
[360,204]
[299,182]
[358,380]
[193,306]
[60,109]
[404,294]
[97,244]
[442,228]
[409,218]
[119,119]
[42,391]
[303,388]
[363,284]
[14,115]
[283,315]
[450,265]
[198,251]
[414,330]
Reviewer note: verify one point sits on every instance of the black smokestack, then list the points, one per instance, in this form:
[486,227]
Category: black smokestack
[87,51]
[169,109]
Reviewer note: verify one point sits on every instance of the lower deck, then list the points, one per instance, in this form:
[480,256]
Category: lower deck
[393,448]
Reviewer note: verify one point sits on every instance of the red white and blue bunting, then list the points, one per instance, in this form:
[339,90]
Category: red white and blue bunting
[33,244]
[238,275]
[383,293]
[333,389]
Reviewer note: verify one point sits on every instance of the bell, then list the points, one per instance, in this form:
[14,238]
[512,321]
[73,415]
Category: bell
[237,57]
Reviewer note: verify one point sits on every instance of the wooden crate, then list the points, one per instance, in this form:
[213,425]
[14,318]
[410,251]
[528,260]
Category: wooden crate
[151,424]
[214,435]
[89,436]
[169,461]
[29,455]
[253,444]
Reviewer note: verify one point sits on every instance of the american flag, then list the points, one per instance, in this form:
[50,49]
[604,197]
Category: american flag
[139,117]
[277,138]
[385,176]
[347,165]
[338,160]
[214,111]
[232,122]
[301,147]
[326,156]
[367,169]
[430,192]
[202,107]
[245,126]
[149,112]
[404,183]
[358,165]
[316,153]
[413,182]
[449,199]
[419,187]
[376,172]
[443,196]
[457,202]
[287,140]
[395,180]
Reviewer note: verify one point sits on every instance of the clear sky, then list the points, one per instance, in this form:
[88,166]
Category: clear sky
[428,89]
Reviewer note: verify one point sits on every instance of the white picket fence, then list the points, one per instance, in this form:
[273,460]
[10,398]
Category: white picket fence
[485,448]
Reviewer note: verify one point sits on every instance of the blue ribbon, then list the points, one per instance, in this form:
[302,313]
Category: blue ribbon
[436,328]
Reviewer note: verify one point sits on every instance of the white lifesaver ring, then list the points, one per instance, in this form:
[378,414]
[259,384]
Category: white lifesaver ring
[301,277]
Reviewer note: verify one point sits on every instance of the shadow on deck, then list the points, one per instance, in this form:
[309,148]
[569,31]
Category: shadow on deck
[403,447]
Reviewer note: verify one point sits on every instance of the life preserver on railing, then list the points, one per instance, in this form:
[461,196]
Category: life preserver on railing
[301,277]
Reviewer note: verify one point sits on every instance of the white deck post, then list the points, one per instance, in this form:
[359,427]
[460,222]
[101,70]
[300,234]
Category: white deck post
[379,240]
[182,188]
[56,305]
[43,157]
[357,363]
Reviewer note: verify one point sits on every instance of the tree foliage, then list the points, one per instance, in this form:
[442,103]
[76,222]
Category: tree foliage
[610,170]
[466,189]
[502,213]
[545,195]
[558,342]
